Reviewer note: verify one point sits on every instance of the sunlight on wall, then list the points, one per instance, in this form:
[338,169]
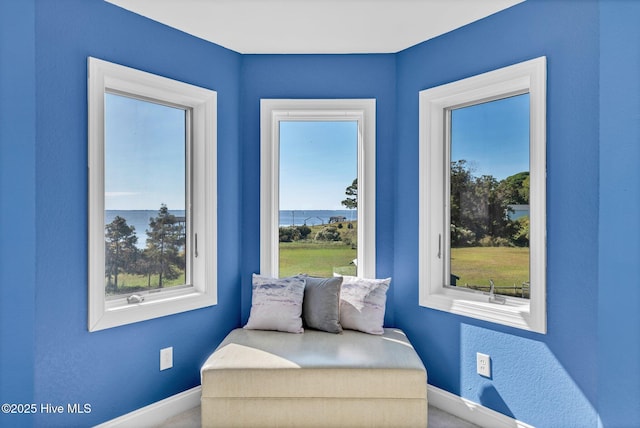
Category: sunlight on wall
[524,371]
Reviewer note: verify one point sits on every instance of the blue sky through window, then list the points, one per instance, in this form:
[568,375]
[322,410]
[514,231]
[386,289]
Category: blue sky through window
[144,155]
[145,152]
[318,161]
[492,137]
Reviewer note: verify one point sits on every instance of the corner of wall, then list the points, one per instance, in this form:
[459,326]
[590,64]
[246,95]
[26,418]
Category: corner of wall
[17,199]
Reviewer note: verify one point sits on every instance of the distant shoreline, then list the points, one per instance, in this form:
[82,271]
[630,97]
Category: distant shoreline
[139,219]
[314,217]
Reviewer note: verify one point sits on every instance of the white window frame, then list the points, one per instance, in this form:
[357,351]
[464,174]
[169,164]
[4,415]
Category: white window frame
[201,107]
[435,107]
[272,111]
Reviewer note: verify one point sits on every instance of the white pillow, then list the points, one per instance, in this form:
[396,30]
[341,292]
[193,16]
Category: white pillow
[276,304]
[362,304]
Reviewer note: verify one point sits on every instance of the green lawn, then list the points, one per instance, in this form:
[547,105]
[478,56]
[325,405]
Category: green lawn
[321,258]
[476,265]
[129,283]
[316,258]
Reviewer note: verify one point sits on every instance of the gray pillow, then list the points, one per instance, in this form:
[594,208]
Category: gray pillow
[321,304]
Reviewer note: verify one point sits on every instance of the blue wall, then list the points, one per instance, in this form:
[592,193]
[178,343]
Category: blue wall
[619,297]
[18,204]
[317,76]
[115,370]
[545,380]
[584,372]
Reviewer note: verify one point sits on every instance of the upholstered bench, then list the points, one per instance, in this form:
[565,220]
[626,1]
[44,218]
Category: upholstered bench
[314,379]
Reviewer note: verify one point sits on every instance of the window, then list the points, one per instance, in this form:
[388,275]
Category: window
[483,198]
[317,187]
[489,179]
[152,184]
[318,227]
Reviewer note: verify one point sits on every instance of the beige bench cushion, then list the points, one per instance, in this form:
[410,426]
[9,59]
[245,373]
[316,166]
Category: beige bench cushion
[268,364]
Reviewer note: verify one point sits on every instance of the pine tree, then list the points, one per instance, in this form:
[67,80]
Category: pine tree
[120,249]
[352,190]
[165,242]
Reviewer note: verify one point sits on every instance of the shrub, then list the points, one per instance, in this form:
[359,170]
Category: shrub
[328,233]
[288,234]
[491,241]
[304,231]
[462,237]
[521,236]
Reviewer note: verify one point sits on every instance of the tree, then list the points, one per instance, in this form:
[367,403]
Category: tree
[144,266]
[479,206]
[461,179]
[165,240]
[515,189]
[120,249]
[524,189]
[466,206]
[352,190]
[521,236]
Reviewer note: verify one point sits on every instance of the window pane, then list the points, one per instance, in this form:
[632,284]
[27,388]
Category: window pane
[489,196]
[145,196]
[318,197]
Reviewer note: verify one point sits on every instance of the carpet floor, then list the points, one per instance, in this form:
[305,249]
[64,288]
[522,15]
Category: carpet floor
[437,419]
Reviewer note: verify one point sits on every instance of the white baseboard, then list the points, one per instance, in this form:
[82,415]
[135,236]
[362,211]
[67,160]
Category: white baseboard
[470,411]
[156,413]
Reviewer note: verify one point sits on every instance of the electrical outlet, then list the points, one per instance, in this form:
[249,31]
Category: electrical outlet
[483,364]
[166,358]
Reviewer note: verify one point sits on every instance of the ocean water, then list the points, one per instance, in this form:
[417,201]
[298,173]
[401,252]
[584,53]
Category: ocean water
[313,217]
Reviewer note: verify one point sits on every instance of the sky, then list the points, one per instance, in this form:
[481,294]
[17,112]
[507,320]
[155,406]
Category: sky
[493,137]
[318,161]
[144,155]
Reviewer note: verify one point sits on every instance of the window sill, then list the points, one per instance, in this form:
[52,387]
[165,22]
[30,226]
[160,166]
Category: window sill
[118,312]
[515,312]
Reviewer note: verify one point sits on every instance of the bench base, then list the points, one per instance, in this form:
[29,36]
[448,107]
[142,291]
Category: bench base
[314,412]
[314,379]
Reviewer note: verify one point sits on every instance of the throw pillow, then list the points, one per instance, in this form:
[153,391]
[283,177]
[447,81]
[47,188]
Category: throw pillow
[276,304]
[362,304]
[321,304]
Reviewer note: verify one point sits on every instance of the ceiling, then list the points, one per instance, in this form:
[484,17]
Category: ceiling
[315,26]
